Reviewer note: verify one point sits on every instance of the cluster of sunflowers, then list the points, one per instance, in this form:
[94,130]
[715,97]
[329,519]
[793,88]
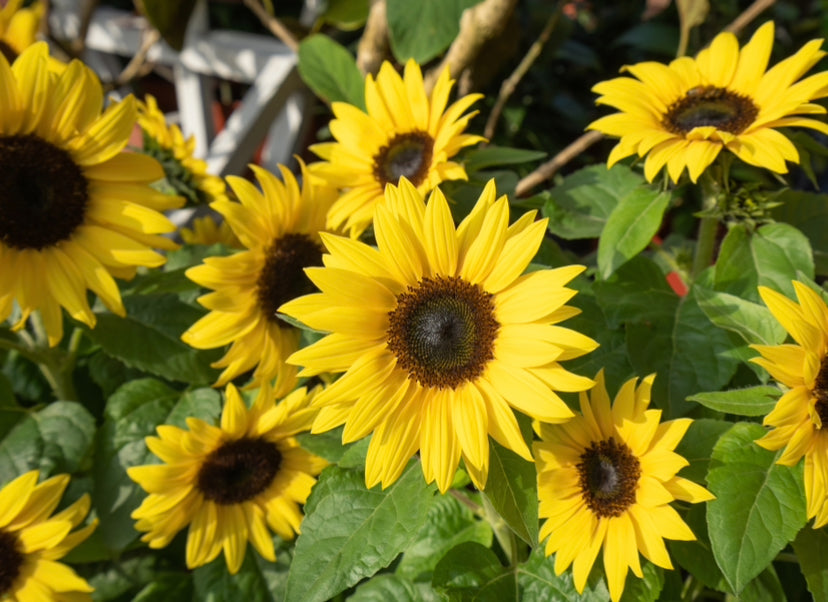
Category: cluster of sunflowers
[358,299]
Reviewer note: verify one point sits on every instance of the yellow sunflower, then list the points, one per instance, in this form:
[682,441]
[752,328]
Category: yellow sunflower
[32,541]
[682,114]
[18,27]
[231,483]
[206,231]
[279,228]
[439,335]
[165,142]
[802,412]
[74,209]
[606,479]
[405,133]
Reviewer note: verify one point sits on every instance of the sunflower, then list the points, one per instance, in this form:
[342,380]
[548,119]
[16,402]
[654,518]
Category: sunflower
[18,27]
[230,483]
[74,209]
[801,413]
[279,228]
[31,541]
[682,114]
[207,231]
[439,335]
[187,175]
[405,133]
[606,478]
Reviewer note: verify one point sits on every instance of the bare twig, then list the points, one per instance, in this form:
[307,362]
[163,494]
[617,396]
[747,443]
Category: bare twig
[551,167]
[138,65]
[478,25]
[748,15]
[87,10]
[273,24]
[373,46]
[507,88]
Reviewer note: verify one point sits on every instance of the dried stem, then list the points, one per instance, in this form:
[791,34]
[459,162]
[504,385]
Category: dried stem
[548,169]
[373,46]
[137,65]
[78,45]
[478,25]
[273,24]
[507,88]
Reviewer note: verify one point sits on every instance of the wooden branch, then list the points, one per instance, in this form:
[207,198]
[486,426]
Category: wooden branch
[748,15]
[507,88]
[478,25]
[137,65]
[78,45]
[373,46]
[273,24]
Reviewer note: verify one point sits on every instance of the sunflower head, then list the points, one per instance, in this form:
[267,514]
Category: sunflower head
[230,483]
[800,419]
[683,114]
[75,209]
[606,479]
[405,133]
[32,540]
[440,335]
[185,173]
[18,27]
[206,230]
[278,228]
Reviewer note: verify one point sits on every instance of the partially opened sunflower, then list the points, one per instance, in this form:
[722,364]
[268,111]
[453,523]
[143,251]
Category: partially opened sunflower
[684,114]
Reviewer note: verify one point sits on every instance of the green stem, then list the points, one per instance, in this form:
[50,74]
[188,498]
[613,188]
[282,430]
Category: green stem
[708,228]
[505,536]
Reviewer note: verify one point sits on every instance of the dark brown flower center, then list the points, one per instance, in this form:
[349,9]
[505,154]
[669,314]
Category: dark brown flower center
[283,278]
[406,155]
[10,54]
[238,471]
[820,392]
[708,105]
[608,475]
[43,193]
[11,560]
[442,331]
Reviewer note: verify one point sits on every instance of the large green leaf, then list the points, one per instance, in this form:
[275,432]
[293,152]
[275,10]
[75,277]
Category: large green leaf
[472,572]
[258,580]
[346,15]
[448,523]
[351,532]
[422,29]
[759,505]
[494,156]
[771,256]
[384,588]
[697,446]
[580,206]
[132,413]
[539,583]
[811,547]
[512,489]
[808,212]
[751,321]
[750,401]
[54,440]
[630,228]
[330,71]
[149,339]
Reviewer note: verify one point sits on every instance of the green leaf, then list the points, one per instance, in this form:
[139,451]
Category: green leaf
[630,228]
[448,524]
[258,580]
[811,547]
[696,557]
[697,446]
[169,18]
[114,580]
[131,414]
[10,411]
[384,588]
[750,401]
[347,15]
[753,322]
[350,532]
[149,339]
[472,572]
[512,489]
[422,29]
[770,256]
[580,206]
[54,440]
[764,588]
[330,71]
[165,587]
[759,505]
[491,156]
[808,213]
[539,583]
